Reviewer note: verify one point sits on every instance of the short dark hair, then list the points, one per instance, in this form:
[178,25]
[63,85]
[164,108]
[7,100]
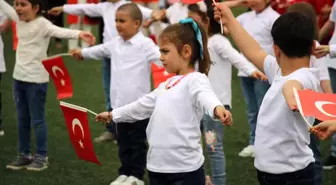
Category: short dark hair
[294,33]
[134,11]
[308,10]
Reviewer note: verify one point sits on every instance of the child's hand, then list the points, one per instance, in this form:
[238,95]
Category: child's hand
[147,23]
[56,11]
[224,115]
[324,129]
[77,54]
[322,51]
[259,75]
[221,11]
[87,37]
[158,14]
[104,117]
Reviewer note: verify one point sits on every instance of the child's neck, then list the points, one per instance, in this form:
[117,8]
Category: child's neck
[186,71]
[292,64]
[128,37]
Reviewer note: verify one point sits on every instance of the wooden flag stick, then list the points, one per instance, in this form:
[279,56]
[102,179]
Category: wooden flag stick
[298,103]
[221,22]
[77,107]
[59,55]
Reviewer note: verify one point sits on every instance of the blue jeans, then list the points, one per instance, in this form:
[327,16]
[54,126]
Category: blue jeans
[217,157]
[332,73]
[106,68]
[189,178]
[254,92]
[30,99]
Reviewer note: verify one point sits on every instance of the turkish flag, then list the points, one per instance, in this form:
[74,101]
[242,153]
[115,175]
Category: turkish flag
[79,132]
[159,75]
[319,105]
[60,75]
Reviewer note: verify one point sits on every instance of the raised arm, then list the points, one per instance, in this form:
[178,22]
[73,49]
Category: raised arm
[89,9]
[9,11]
[326,29]
[246,44]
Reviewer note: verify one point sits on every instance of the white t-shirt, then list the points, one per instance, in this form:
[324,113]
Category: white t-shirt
[173,132]
[34,38]
[259,26]
[331,62]
[176,12]
[223,56]
[282,137]
[2,58]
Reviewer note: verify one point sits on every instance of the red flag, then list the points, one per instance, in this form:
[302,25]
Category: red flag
[319,105]
[60,75]
[159,75]
[79,132]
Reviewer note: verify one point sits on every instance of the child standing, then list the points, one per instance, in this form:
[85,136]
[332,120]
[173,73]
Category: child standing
[258,24]
[223,56]
[106,10]
[282,154]
[131,55]
[31,80]
[176,108]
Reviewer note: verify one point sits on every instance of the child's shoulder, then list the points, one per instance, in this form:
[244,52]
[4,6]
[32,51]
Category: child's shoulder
[307,77]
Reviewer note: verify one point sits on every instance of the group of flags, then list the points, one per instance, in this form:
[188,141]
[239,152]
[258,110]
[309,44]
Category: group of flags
[319,105]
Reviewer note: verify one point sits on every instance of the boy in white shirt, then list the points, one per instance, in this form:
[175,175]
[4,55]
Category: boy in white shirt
[107,11]
[282,154]
[131,55]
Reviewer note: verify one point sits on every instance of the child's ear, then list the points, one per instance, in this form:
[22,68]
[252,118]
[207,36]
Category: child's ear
[186,51]
[36,8]
[137,23]
[276,51]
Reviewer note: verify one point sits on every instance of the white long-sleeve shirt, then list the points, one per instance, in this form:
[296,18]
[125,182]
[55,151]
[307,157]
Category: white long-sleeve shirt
[223,56]
[107,11]
[34,37]
[173,131]
[259,26]
[130,66]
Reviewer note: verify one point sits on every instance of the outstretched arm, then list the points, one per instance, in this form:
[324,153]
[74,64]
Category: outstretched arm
[89,9]
[246,44]
[9,11]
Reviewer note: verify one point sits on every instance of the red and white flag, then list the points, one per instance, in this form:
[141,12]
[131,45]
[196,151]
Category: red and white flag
[60,75]
[319,105]
[159,75]
[78,128]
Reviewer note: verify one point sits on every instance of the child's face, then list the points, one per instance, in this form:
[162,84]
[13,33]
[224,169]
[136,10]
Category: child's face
[126,26]
[171,59]
[25,10]
[257,5]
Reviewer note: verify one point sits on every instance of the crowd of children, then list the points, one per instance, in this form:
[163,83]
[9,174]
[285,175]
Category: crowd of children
[279,50]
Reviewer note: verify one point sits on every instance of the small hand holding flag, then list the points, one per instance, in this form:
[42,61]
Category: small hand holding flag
[223,115]
[79,132]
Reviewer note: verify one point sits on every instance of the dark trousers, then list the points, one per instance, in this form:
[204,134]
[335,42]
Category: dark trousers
[301,177]
[190,178]
[0,102]
[132,148]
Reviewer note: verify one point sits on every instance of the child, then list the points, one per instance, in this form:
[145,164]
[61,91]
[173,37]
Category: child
[282,154]
[176,108]
[258,24]
[223,56]
[107,11]
[131,56]
[31,80]
[323,75]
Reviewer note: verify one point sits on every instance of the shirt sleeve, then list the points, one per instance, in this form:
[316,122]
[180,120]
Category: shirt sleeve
[90,9]
[98,51]
[271,68]
[9,11]
[138,110]
[201,91]
[332,48]
[320,64]
[227,52]
[152,52]
[307,78]
[332,16]
[52,30]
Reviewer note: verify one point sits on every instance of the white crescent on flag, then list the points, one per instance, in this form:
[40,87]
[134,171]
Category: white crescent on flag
[319,105]
[76,122]
[54,70]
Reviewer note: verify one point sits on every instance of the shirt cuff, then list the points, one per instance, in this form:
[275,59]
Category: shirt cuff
[332,51]
[85,53]
[117,116]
